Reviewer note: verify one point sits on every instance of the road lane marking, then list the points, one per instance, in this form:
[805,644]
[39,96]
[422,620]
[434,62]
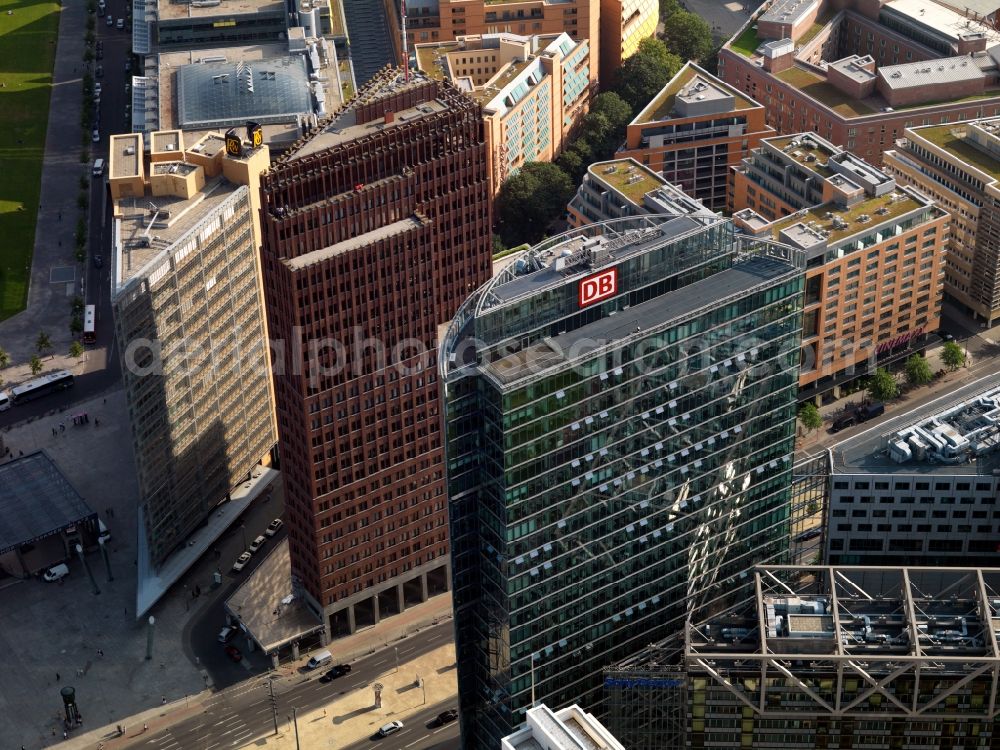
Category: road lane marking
[419,739]
[406,650]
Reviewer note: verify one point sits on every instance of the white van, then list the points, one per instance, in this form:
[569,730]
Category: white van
[98,170]
[56,572]
[319,660]
[4,401]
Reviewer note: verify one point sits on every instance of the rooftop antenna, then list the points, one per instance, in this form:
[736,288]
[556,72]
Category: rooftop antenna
[406,51]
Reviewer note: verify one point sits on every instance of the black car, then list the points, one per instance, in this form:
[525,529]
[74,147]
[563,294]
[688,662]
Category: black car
[338,671]
[99,72]
[445,717]
[98,261]
[805,536]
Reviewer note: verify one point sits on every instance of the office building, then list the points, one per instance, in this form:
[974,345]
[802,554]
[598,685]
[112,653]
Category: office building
[621,188]
[620,405]
[959,166]
[613,28]
[894,658]
[569,728]
[924,487]
[376,227]
[694,131]
[189,322]
[858,72]
[533,91]
[875,254]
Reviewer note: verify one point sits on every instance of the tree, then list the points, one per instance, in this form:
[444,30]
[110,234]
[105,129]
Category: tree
[882,385]
[612,106]
[4,358]
[952,355]
[596,129]
[43,342]
[668,8]
[76,350]
[530,199]
[918,371]
[688,36]
[810,417]
[572,164]
[35,364]
[642,75]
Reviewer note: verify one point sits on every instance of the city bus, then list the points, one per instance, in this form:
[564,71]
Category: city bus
[46,384]
[90,324]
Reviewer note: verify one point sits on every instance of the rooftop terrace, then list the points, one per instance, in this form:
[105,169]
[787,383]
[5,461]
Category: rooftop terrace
[662,105]
[951,138]
[171,11]
[825,93]
[838,222]
[628,177]
[810,153]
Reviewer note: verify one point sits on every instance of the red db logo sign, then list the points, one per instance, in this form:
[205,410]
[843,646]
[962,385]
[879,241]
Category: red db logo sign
[599,286]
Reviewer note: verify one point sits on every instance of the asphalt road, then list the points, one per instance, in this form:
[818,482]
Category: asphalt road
[97,287]
[235,717]
[418,733]
[202,634]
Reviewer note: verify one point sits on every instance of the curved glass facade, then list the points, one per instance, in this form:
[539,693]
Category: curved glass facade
[620,409]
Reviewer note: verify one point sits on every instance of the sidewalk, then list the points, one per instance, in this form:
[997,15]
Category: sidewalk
[950,380]
[397,701]
[49,296]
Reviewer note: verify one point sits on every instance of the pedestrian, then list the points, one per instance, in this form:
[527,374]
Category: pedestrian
[163,700]
[62,427]
[100,652]
[57,677]
[65,736]
[97,422]
[126,611]
[145,726]
[54,431]
[20,453]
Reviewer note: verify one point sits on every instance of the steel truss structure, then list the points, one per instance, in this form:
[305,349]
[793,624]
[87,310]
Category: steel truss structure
[857,642]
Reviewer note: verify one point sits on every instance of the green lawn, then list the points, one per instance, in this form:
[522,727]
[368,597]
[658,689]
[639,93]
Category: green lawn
[27,49]
[746,43]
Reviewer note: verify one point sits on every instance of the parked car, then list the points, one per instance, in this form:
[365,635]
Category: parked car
[805,536]
[128,89]
[869,411]
[445,717]
[100,54]
[97,86]
[391,728]
[234,653]
[111,21]
[96,136]
[227,634]
[274,527]
[128,66]
[56,572]
[338,671]
[241,562]
[843,422]
[120,24]
[257,543]
[98,261]
[99,72]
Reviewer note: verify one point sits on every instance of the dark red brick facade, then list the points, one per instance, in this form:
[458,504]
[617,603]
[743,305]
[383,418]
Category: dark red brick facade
[361,449]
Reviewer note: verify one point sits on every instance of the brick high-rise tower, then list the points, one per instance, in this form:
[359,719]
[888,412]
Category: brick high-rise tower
[376,227]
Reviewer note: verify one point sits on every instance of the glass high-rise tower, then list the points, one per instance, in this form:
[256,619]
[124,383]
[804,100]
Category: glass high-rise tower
[620,406]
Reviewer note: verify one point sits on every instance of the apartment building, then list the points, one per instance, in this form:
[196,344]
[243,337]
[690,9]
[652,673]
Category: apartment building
[533,91]
[621,188]
[613,28]
[694,131]
[189,321]
[885,658]
[959,166]
[875,254]
[620,411]
[859,72]
[376,227]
